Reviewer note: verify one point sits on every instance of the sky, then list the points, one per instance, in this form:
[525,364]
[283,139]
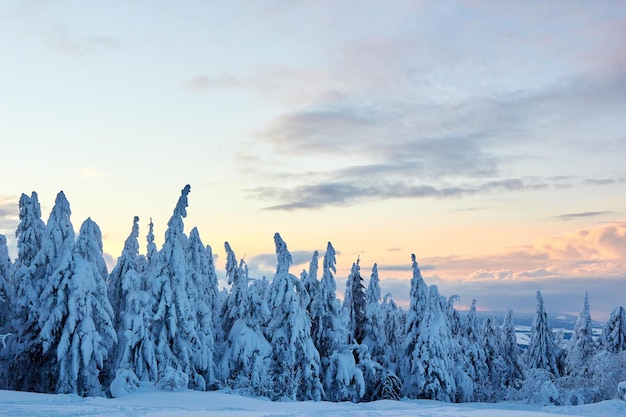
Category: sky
[487,138]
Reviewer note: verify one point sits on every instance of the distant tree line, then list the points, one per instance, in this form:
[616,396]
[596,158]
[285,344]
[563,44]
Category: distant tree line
[69,326]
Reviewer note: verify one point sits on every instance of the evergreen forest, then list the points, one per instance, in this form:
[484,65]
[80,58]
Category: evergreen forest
[68,325]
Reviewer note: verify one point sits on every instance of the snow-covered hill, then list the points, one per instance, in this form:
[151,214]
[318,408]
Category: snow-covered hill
[218,404]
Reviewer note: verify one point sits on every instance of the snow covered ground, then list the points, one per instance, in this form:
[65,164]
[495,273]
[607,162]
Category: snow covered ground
[192,403]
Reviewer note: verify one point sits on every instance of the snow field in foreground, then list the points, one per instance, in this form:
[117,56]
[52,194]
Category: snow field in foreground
[218,404]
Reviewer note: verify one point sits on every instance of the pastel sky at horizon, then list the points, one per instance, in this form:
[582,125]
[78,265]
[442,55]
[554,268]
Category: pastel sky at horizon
[487,138]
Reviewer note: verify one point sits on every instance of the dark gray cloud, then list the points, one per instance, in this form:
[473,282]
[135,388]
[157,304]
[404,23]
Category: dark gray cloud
[9,220]
[425,150]
[9,215]
[346,193]
[603,181]
[574,216]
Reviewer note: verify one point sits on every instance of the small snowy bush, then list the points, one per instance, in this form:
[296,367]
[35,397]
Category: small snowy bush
[124,383]
[173,380]
[391,386]
[621,390]
[550,393]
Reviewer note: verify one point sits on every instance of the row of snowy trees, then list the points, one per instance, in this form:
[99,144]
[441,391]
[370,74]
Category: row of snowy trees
[71,327]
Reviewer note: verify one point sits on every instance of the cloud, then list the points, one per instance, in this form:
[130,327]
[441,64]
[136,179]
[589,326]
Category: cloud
[208,83]
[267,261]
[449,113]
[9,220]
[604,181]
[574,216]
[561,295]
[9,213]
[346,193]
[563,267]
[110,261]
[90,172]
[291,85]
[450,147]
[593,252]
[605,244]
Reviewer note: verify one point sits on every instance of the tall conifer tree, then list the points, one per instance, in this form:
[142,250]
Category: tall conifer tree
[354,303]
[295,360]
[613,338]
[52,268]
[542,352]
[582,346]
[128,284]
[417,307]
[80,327]
[174,324]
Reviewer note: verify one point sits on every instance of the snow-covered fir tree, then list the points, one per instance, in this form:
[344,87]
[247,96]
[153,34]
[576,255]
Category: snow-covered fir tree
[309,280]
[418,304]
[128,261]
[473,354]
[295,360]
[374,335]
[152,254]
[342,379]
[78,328]
[234,305]
[514,370]
[454,318]
[203,294]
[494,389]
[432,360]
[214,295]
[326,327]
[245,355]
[135,350]
[465,385]
[542,351]
[613,337]
[354,303]
[6,293]
[174,324]
[28,281]
[52,266]
[582,345]
[393,325]
[288,340]
[29,239]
